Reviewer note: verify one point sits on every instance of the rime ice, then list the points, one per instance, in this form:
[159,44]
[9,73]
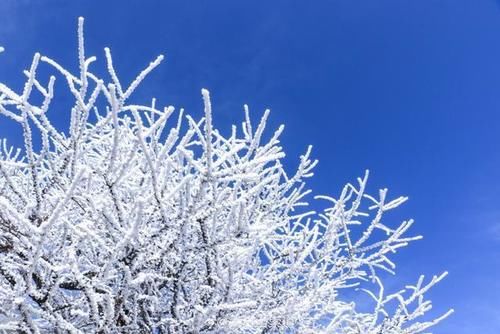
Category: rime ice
[143,221]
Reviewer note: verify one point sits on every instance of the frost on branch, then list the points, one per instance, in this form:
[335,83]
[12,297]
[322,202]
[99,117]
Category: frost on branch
[138,220]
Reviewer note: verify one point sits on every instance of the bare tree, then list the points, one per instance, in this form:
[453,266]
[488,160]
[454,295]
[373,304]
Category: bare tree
[132,222]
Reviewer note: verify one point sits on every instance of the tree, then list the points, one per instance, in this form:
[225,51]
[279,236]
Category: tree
[135,223]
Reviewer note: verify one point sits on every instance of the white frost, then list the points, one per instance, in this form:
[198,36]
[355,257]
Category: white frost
[133,223]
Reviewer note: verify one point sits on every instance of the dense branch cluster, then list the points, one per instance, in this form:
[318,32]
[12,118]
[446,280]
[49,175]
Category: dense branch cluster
[141,222]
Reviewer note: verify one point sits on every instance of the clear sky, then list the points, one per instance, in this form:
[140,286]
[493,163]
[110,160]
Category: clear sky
[407,89]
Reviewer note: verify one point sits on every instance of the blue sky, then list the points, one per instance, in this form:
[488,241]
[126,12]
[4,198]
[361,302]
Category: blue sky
[407,89]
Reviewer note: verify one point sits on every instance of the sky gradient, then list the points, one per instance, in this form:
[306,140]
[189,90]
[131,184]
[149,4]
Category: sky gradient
[407,89]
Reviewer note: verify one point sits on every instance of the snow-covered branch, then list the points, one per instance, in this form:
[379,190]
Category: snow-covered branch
[135,223]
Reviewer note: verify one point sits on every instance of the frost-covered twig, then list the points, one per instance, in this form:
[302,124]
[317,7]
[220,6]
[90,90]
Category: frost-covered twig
[134,223]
